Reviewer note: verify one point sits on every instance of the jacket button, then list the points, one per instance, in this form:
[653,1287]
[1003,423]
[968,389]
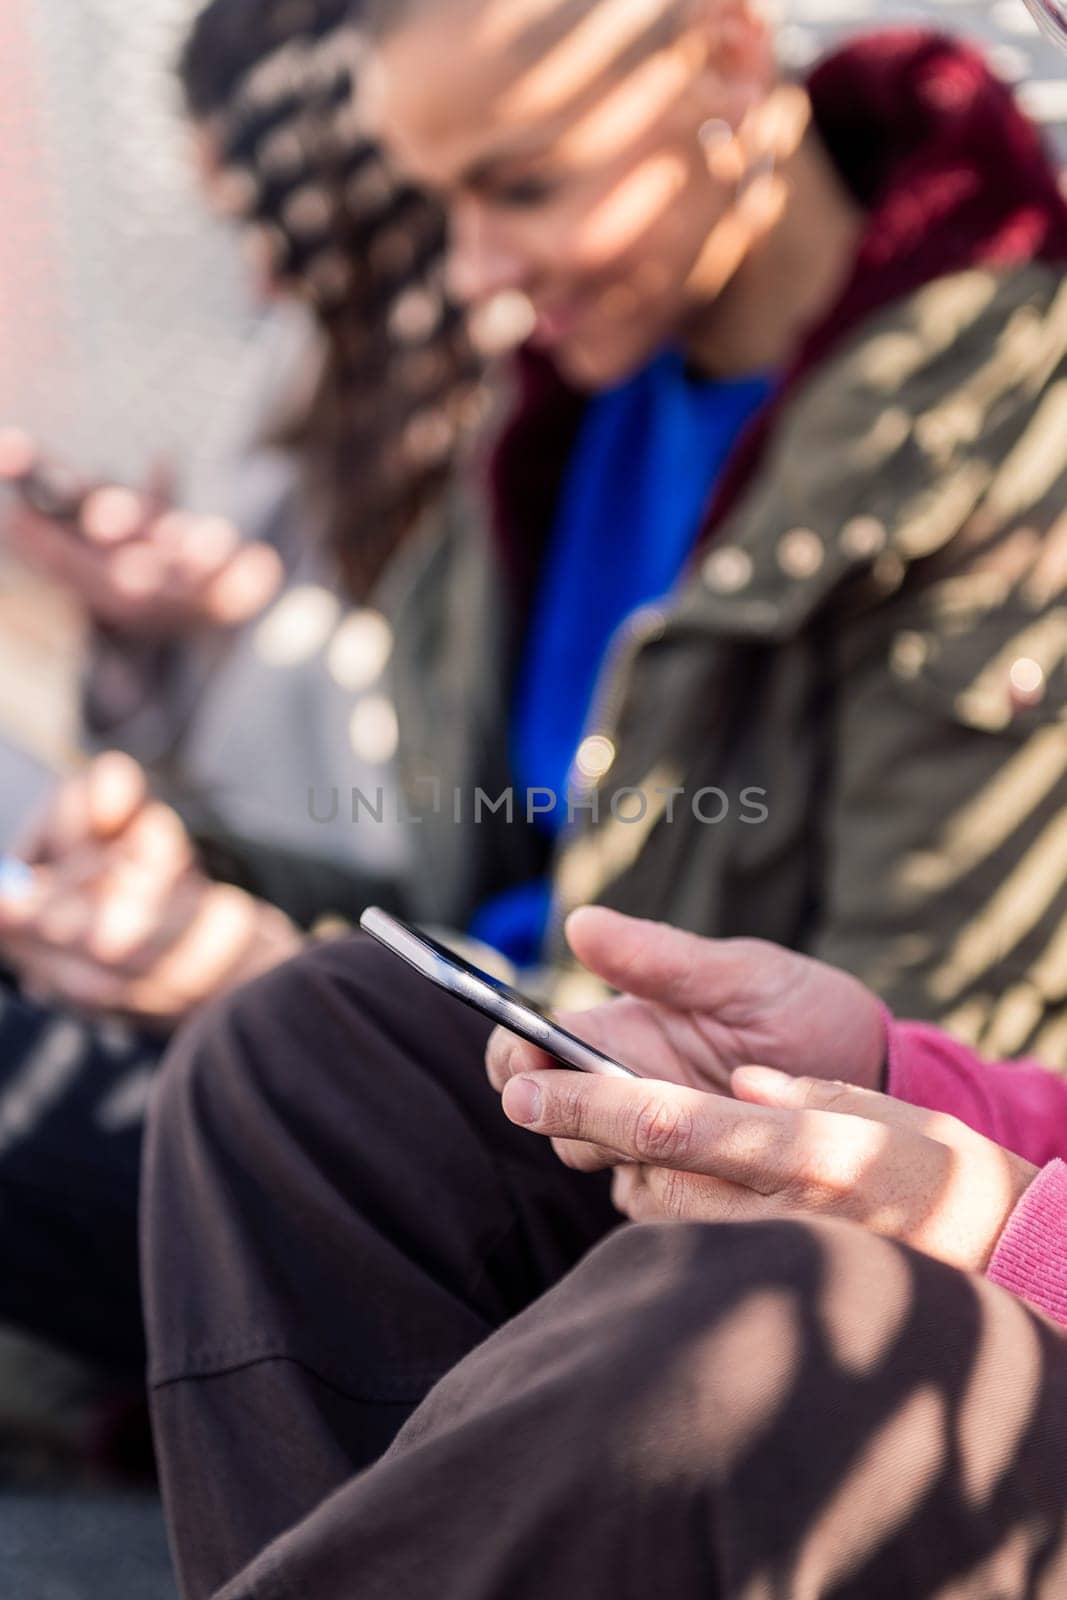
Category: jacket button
[595,755]
[908,655]
[373,731]
[360,649]
[863,537]
[888,571]
[800,553]
[728,570]
[1027,683]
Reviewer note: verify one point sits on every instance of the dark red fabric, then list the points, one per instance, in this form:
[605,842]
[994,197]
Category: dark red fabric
[952,175]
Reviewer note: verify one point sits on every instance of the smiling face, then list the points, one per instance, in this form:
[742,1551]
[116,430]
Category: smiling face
[564,138]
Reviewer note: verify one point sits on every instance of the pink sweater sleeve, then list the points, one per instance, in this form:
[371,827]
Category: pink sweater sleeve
[1022,1107]
[1019,1104]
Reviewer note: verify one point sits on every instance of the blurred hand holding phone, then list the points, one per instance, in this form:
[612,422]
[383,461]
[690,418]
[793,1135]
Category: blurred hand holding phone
[135,561]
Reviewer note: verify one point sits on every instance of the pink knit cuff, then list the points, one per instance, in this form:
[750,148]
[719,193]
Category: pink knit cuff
[1031,1257]
[892,1065]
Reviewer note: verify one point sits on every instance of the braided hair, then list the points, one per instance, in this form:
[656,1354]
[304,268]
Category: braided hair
[401,385]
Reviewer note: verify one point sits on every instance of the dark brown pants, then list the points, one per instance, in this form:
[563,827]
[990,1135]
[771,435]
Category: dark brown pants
[398,1352]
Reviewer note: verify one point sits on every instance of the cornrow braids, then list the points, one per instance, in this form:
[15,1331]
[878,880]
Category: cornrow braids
[401,386]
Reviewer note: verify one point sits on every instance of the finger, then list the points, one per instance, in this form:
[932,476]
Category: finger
[648,1121]
[47,914]
[247,584]
[587,1157]
[624,1180]
[65,978]
[196,547]
[627,1184]
[145,900]
[668,1194]
[29,897]
[765,1148]
[52,547]
[96,806]
[506,1055]
[113,514]
[767,1087]
[658,962]
[17,453]
[21,896]
[654,1194]
[209,572]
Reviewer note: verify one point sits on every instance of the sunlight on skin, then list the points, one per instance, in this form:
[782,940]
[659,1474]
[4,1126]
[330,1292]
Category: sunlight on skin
[96,804]
[215,943]
[588,52]
[783,1147]
[137,889]
[634,226]
[17,452]
[780,127]
[500,26]
[625,114]
[619,222]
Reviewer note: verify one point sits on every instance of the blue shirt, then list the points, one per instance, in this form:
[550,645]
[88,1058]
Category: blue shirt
[647,458]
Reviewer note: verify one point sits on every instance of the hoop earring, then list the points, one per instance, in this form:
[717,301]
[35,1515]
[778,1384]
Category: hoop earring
[759,171]
[714,133]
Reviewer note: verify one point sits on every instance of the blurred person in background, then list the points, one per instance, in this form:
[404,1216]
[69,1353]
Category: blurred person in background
[232,670]
[242,726]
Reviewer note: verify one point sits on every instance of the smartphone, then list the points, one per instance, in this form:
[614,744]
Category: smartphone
[487,994]
[52,492]
[15,877]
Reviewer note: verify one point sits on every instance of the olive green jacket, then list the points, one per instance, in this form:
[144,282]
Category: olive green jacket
[877,640]
[848,732]
[861,692]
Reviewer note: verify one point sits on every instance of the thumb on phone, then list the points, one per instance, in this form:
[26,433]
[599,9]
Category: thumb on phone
[653,960]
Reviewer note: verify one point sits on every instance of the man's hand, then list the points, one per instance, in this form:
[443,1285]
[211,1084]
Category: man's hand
[137,566]
[785,1147]
[119,918]
[693,1009]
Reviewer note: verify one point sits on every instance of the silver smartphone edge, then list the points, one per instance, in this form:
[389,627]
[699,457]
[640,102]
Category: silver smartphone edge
[464,985]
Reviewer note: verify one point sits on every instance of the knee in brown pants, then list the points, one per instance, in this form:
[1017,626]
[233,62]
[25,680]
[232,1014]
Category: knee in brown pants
[772,1410]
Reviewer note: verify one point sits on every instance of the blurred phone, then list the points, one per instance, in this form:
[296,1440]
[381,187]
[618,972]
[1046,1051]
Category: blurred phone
[53,492]
[494,999]
[15,877]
